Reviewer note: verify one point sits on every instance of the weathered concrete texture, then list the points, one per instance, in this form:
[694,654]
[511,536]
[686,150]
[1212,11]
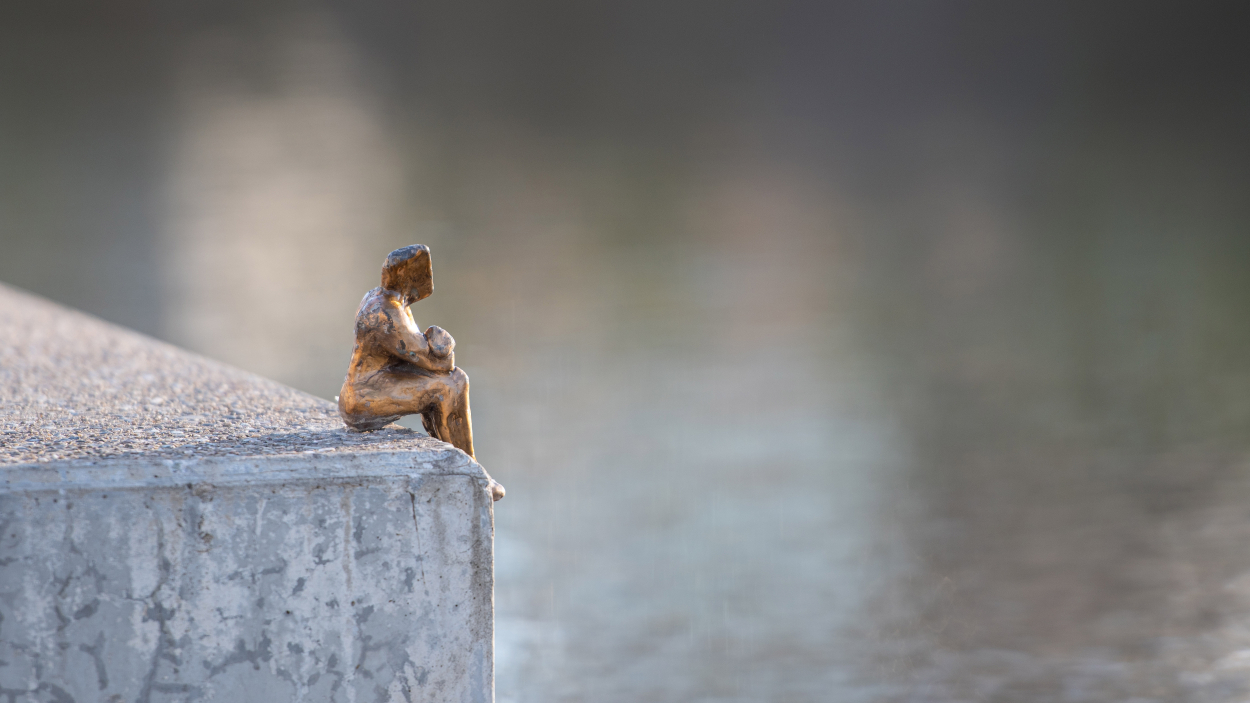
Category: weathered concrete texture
[74,387]
[374,590]
[270,557]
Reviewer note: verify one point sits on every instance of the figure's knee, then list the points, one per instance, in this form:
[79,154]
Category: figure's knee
[453,389]
[449,390]
[459,381]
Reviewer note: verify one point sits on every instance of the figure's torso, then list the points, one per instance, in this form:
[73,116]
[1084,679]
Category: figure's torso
[381,311]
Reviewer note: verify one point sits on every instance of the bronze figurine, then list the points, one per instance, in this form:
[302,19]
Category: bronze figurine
[396,370]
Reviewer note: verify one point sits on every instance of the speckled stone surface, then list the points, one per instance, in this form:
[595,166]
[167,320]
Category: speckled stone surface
[73,388]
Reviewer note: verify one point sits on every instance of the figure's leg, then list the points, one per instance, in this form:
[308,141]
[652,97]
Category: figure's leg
[442,400]
[447,417]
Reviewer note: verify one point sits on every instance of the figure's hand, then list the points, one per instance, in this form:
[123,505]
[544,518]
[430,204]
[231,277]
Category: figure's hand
[441,343]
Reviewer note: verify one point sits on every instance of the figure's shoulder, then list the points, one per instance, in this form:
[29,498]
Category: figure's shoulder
[378,300]
[376,310]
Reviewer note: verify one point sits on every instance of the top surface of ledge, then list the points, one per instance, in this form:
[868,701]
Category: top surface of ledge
[77,390]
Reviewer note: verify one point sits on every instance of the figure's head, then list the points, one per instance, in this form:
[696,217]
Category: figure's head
[408,271]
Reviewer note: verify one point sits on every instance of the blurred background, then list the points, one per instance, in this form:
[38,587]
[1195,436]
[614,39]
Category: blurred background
[829,351]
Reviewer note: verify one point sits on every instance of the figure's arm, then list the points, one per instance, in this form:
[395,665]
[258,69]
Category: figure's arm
[405,341]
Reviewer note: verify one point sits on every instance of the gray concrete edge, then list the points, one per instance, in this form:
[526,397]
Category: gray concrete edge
[327,468]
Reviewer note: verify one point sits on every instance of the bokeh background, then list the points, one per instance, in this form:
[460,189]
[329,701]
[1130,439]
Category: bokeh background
[829,351]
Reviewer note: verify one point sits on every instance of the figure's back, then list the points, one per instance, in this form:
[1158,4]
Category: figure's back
[372,322]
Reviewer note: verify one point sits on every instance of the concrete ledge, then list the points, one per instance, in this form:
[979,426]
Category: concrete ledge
[232,471]
[172,529]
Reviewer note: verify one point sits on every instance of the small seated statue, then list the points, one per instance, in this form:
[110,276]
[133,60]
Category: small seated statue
[395,369]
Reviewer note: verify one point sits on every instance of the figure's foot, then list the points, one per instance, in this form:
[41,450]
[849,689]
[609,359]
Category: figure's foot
[496,490]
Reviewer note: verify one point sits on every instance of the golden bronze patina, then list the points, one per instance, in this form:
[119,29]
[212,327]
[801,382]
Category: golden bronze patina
[397,370]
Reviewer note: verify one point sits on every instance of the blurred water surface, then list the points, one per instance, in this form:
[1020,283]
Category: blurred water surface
[856,352]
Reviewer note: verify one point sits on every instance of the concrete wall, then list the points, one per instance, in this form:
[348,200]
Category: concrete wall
[318,590]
